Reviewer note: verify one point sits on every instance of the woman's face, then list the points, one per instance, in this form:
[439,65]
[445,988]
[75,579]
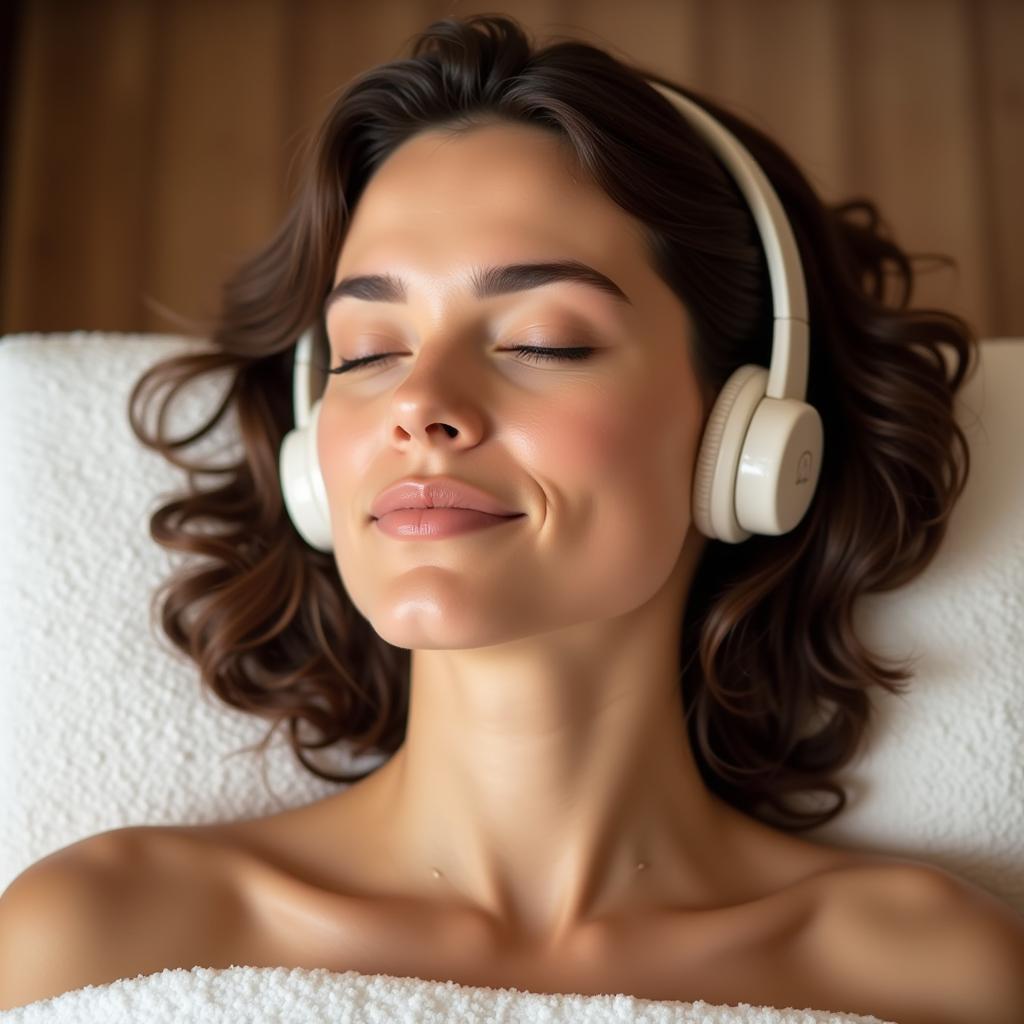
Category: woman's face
[597,452]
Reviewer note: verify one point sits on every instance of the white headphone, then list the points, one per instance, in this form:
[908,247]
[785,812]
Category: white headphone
[760,455]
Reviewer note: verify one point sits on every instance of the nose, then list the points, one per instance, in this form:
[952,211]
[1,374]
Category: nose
[438,401]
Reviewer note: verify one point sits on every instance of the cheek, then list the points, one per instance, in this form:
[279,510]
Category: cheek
[345,450]
[618,493]
[624,446]
[621,462]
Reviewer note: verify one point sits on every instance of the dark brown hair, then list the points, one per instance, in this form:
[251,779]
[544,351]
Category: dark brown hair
[773,677]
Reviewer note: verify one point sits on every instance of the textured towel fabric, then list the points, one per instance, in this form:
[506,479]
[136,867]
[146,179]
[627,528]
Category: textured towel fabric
[279,995]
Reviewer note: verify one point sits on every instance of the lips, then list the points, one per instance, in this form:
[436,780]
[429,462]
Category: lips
[438,492]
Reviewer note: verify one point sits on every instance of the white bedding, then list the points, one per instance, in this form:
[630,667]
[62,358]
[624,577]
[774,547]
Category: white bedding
[298,996]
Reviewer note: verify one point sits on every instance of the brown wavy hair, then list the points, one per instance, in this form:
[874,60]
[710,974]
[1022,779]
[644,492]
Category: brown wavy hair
[774,680]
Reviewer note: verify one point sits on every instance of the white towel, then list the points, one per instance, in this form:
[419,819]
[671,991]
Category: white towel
[239,995]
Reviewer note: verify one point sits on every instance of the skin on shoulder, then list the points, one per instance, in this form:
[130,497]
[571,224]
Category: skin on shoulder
[48,921]
[102,909]
[934,948]
[929,947]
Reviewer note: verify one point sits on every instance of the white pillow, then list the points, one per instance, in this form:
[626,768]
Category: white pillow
[102,726]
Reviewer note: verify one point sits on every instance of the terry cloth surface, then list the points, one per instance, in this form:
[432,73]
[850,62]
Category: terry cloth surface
[281,995]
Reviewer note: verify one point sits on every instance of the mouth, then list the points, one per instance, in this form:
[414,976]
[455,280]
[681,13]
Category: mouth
[437,523]
[448,508]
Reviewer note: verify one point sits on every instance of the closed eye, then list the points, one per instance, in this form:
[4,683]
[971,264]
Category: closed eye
[530,353]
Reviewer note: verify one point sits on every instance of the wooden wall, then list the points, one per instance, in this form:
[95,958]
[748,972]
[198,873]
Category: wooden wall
[151,141]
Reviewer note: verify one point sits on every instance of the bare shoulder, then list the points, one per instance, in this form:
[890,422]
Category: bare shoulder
[115,905]
[934,947]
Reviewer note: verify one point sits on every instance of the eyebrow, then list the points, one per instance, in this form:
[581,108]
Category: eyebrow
[485,282]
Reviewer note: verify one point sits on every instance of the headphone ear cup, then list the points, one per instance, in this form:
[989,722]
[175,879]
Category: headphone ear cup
[714,481]
[759,461]
[302,484]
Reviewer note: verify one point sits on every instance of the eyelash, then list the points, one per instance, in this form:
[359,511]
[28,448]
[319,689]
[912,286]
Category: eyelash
[534,354]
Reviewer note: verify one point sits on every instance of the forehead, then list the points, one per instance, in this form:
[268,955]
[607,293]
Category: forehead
[440,206]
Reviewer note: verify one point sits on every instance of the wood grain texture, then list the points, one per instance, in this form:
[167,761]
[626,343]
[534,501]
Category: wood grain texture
[154,143]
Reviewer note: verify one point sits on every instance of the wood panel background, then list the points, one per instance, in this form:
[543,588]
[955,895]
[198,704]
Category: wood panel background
[151,142]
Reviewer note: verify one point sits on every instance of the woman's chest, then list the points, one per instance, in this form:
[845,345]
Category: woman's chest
[792,950]
[763,956]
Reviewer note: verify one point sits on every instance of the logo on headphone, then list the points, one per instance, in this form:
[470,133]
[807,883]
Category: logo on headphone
[803,468]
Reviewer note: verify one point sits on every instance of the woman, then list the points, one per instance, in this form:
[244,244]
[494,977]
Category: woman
[529,279]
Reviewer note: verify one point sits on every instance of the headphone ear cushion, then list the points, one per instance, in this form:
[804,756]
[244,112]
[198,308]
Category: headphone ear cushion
[302,484]
[714,480]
